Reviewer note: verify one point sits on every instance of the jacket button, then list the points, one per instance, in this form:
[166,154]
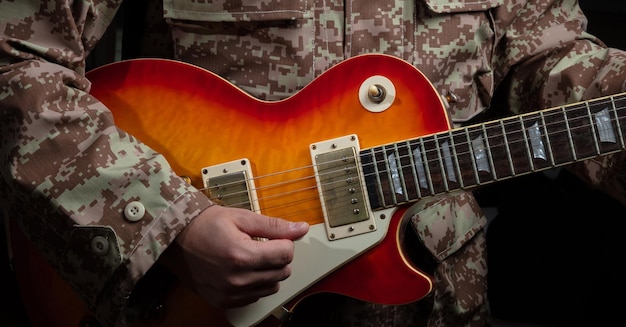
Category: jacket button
[134,211]
[100,245]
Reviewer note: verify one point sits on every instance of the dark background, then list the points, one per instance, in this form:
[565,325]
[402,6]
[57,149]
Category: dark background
[556,261]
[550,265]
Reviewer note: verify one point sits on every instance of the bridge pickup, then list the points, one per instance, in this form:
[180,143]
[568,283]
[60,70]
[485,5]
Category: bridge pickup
[231,184]
[341,187]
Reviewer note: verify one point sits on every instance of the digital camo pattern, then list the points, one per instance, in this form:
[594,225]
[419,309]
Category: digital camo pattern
[60,145]
[452,229]
[67,172]
[466,48]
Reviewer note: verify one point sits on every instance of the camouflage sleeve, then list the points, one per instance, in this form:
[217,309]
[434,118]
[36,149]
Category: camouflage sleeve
[75,183]
[552,61]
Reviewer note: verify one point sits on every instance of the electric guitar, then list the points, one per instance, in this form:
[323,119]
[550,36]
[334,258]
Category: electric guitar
[348,154]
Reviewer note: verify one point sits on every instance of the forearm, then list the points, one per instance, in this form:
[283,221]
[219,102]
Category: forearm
[69,172]
[556,63]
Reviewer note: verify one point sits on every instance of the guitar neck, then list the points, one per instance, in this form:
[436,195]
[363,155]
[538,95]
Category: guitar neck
[479,154]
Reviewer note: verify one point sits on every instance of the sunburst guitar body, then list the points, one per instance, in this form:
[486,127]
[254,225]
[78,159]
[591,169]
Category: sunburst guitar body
[348,154]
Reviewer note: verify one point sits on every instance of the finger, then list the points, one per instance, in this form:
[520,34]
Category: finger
[272,254]
[273,228]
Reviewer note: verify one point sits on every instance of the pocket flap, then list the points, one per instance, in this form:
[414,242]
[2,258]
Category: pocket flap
[235,11]
[452,6]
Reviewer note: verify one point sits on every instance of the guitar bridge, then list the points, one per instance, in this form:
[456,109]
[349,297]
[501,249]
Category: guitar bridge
[341,187]
[231,184]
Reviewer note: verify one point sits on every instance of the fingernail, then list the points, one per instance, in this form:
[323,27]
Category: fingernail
[299,225]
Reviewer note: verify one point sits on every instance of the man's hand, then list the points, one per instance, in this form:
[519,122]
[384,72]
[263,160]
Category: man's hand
[222,261]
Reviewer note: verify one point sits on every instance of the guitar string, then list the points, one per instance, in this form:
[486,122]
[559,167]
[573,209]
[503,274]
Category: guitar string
[509,121]
[437,159]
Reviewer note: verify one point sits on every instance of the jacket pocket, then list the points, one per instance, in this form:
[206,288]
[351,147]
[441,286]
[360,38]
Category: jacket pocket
[263,47]
[469,47]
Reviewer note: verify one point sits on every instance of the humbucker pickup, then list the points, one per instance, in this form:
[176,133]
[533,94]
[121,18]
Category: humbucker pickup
[232,184]
[341,187]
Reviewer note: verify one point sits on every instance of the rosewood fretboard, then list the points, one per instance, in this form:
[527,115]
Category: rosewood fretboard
[483,153]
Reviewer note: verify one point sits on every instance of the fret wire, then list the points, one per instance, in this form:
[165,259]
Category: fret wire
[545,118]
[503,123]
[548,114]
[569,133]
[494,173]
[379,181]
[414,168]
[528,148]
[365,155]
[375,177]
[437,139]
[508,148]
[427,166]
[472,156]
[442,166]
[401,172]
[619,126]
[548,141]
[456,159]
[389,175]
[593,129]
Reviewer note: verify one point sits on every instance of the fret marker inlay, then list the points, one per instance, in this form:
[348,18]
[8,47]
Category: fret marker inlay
[447,158]
[534,133]
[395,175]
[464,157]
[419,167]
[605,129]
[480,154]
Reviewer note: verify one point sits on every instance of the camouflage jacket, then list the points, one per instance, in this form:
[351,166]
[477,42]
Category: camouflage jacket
[74,181]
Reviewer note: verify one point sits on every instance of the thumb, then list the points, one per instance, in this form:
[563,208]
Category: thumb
[276,228]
